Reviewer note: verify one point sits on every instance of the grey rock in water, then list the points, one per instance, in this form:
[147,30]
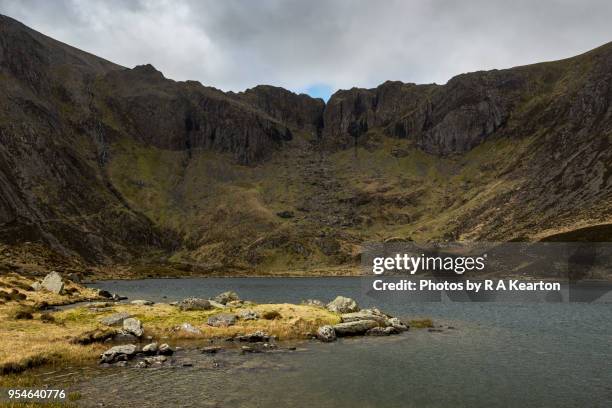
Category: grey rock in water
[156,360]
[382,331]
[398,324]
[141,302]
[194,304]
[133,326]
[165,350]
[115,319]
[211,349]
[326,333]
[118,353]
[150,348]
[222,320]
[342,304]
[354,328]
[258,336]
[248,314]
[105,294]
[226,297]
[53,283]
[189,328]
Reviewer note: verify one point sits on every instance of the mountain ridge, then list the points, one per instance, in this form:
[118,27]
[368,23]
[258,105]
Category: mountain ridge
[116,166]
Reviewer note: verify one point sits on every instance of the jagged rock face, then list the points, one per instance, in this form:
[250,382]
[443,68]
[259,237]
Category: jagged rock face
[300,111]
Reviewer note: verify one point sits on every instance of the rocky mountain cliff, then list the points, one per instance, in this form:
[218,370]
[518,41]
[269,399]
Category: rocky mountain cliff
[108,165]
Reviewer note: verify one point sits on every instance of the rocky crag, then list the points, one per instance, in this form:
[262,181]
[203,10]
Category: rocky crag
[105,165]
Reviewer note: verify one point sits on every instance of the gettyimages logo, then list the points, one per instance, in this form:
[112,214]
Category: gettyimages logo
[484,271]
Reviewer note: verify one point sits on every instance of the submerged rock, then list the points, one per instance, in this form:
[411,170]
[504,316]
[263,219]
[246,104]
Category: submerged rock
[222,320]
[342,304]
[133,326]
[211,349]
[53,283]
[382,331]
[226,297]
[254,337]
[115,319]
[326,333]
[354,328]
[194,304]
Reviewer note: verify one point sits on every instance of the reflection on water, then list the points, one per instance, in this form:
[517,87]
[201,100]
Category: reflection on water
[500,354]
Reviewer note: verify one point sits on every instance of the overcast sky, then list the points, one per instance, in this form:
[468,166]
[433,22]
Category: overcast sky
[318,46]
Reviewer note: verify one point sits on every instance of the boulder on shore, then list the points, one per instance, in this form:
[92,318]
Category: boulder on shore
[397,324]
[248,314]
[342,304]
[326,334]
[150,348]
[354,328]
[222,320]
[382,331]
[53,283]
[194,304]
[141,302]
[255,337]
[133,326]
[189,328]
[365,315]
[226,297]
[115,319]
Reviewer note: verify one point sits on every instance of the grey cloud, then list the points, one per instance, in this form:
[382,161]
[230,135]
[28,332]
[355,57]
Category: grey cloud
[236,44]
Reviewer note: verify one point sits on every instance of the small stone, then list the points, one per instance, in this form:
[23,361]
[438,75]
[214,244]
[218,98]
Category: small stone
[36,286]
[222,320]
[150,348]
[188,328]
[398,324]
[115,319]
[133,326]
[217,305]
[248,314]
[211,350]
[326,334]
[313,302]
[382,331]
[141,302]
[165,349]
[53,283]
[155,360]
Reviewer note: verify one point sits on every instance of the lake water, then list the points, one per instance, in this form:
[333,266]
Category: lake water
[499,354]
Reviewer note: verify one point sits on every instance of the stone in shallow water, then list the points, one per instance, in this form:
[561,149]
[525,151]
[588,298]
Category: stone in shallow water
[165,349]
[382,331]
[115,319]
[133,326]
[150,348]
[53,283]
[118,353]
[342,304]
[254,337]
[222,320]
[211,349]
[326,333]
[398,324]
[354,328]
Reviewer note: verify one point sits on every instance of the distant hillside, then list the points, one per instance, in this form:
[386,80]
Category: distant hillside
[105,165]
